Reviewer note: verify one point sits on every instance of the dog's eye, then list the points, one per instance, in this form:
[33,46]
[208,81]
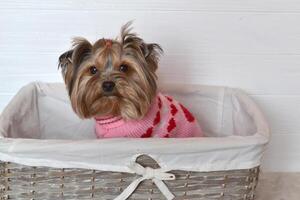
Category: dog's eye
[123,68]
[93,70]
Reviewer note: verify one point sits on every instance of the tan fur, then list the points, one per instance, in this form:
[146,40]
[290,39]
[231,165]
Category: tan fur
[134,89]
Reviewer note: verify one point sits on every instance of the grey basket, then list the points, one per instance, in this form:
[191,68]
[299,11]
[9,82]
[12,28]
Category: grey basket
[44,183]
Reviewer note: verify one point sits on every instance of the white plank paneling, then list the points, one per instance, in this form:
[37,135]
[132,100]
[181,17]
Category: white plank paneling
[12,83]
[283,153]
[28,64]
[179,33]
[278,76]
[282,112]
[169,5]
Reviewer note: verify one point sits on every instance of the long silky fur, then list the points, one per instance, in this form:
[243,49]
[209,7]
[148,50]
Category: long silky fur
[134,91]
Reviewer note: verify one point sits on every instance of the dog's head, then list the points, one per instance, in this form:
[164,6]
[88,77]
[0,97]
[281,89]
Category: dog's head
[111,77]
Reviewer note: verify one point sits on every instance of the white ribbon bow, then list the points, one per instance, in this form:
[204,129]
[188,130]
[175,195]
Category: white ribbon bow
[156,175]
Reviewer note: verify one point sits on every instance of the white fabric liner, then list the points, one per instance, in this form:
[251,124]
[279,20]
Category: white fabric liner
[39,128]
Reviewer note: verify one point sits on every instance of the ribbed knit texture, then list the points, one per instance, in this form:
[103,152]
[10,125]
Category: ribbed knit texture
[165,118]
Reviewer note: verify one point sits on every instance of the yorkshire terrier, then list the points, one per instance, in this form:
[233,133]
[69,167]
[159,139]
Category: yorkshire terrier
[114,82]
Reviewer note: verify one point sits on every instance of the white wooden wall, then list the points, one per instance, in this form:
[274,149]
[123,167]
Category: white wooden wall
[250,44]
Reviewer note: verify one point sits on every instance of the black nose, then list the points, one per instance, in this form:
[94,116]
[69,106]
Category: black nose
[108,86]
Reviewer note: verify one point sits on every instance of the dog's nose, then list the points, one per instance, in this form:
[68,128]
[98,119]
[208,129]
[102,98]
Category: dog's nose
[108,86]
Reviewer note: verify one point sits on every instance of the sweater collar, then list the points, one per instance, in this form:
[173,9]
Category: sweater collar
[109,122]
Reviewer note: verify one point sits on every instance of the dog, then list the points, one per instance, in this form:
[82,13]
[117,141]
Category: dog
[114,82]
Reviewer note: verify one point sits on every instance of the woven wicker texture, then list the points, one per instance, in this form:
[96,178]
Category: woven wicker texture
[41,183]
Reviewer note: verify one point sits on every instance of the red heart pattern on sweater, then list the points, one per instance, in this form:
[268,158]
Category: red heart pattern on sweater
[157,118]
[173,109]
[148,133]
[189,117]
[172,125]
[169,98]
[159,103]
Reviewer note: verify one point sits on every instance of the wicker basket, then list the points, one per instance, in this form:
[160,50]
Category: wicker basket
[223,166]
[43,183]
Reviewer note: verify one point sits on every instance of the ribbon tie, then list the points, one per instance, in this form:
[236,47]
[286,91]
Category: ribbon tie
[156,175]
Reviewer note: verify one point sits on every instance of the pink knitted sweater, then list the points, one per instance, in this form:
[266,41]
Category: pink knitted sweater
[166,118]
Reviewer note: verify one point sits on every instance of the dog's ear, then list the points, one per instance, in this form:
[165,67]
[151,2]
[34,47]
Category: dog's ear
[70,61]
[66,65]
[151,52]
